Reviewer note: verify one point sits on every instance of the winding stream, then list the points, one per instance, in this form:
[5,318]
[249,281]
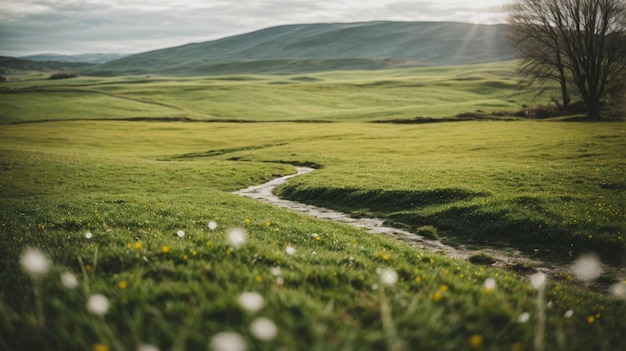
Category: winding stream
[264,193]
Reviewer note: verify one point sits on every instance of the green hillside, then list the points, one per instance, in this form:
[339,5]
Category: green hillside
[319,47]
[354,95]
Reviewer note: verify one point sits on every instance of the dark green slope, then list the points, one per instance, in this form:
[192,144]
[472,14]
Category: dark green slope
[315,47]
[8,64]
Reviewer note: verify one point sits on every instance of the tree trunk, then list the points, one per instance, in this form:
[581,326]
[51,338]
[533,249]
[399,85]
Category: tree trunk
[562,81]
[593,108]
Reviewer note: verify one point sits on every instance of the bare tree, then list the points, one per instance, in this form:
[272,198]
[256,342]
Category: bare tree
[538,44]
[577,41]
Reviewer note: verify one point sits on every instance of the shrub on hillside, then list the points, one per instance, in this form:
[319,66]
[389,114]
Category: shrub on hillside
[64,75]
[483,259]
[543,111]
[427,231]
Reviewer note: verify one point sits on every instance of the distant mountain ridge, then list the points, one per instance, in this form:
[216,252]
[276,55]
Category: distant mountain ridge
[80,58]
[314,47]
[9,64]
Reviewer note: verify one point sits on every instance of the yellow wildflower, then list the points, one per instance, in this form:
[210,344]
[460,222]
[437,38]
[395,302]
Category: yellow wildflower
[267,224]
[99,347]
[591,319]
[476,341]
[165,249]
[443,287]
[185,257]
[208,244]
[122,284]
[137,246]
[437,296]
[88,267]
[247,220]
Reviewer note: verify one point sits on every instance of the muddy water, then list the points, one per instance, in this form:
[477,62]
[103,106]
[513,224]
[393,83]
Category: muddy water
[264,193]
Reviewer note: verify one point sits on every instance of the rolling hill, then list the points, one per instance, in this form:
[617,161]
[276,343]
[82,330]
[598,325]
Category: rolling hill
[319,47]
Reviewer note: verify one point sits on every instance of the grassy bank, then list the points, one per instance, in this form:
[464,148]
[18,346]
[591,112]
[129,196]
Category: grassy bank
[134,185]
[551,189]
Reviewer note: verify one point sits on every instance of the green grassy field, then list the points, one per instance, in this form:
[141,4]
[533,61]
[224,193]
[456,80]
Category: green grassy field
[329,96]
[552,186]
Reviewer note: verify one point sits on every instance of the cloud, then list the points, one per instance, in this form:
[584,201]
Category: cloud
[80,26]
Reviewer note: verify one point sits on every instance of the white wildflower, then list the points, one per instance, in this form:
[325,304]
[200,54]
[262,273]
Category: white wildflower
[276,271]
[280,281]
[251,301]
[524,317]
[98,304]
[228,341]
[212,225]
[290,250]
[263,329]
[587,267]
[618,290]
[34,262]
[490,284]
[538,280]
[180,233]
[69,280]
[147,347]
[568,314]
[88,235]
[388,276]
[237,238]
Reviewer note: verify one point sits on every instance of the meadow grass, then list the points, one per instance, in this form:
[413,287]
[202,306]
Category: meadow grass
[329,96]
[134,185]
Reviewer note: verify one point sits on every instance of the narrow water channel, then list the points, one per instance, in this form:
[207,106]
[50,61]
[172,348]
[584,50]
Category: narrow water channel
[264,193]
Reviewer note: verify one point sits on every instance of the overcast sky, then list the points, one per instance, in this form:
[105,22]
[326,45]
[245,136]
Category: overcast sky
[131,26]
